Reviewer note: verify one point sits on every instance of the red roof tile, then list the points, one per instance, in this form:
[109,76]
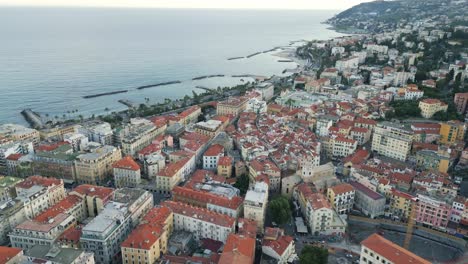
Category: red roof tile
[391,251]
[280,245]
[214,150]
[225,161]
[7,253]
[104,193]
[200,213]
[61,207]
[182,193]
[342,188]
[238,249]
[127,163]
[16,156]
[38,180]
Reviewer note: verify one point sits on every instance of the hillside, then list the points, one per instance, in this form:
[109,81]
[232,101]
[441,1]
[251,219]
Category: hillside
[382,16]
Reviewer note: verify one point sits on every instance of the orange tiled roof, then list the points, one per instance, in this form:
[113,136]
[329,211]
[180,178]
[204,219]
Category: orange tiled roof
[206,197]
[391,251]
[127,163]
[15,156]
[214,150]
[280,245]
[104,193]
[61,207]
[148,232]
[200,213]
[172,168]
[342,188]
[238,249]
[38,180]
[225,161]
[7,253]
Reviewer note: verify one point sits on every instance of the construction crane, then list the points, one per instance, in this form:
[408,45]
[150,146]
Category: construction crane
[411,223]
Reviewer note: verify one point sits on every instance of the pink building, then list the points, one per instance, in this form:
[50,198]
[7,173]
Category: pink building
[432,213]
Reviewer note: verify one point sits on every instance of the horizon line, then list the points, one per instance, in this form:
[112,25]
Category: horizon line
[163,7]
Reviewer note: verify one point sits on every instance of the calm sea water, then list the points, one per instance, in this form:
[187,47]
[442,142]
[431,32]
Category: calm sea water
[51,57]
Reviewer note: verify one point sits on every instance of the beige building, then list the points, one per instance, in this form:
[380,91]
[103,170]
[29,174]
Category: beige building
[58,132]
[255,204]
[233,106]
[19,133]
[210,128]
[96,167]
[137,135]
[172,175]
[431,106]
[95,197]
[392,140]
[149,240]
[9,255]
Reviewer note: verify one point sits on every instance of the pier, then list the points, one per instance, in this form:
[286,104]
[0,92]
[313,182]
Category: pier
[127,103]
[32,118]
[157,84]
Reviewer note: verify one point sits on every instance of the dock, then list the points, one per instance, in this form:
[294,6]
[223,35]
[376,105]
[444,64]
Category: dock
[128,103]
[32,118]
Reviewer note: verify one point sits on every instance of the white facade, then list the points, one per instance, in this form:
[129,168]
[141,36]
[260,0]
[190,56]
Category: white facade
[126,178]
[255,204]
[256,106]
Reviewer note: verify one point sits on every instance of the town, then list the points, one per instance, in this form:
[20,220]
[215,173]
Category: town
[360,156]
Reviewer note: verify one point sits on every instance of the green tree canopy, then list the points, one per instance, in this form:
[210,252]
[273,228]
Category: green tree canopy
[313,255]
[242,183]
[280,210]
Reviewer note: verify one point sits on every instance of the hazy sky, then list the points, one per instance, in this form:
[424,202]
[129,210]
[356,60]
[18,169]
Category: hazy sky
[289,4]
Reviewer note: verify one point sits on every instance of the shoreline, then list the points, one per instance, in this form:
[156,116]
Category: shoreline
[285,53]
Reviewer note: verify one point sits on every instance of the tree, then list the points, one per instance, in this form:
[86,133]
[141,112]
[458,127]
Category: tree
[280,210]
[313,255]
[242,183]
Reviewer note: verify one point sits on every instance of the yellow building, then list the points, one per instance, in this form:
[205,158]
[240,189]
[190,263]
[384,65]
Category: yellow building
[452,131]
[233,106]
[57,132]
[148,240]
[400,204]
[225,167]
[431,106]
[96,167]
[210,128]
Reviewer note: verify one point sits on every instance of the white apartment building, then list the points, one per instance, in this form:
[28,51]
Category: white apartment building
[347,64]
[154,164]
[392,140]
[341,197]
[341,147]
[201,222]
[211,157]
[255,204]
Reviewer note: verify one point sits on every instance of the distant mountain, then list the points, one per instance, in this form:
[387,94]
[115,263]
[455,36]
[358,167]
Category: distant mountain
[381,16]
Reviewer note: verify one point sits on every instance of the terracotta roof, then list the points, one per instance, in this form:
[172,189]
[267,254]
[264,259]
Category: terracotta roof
[104,193]
[127,163]
[38,180]
[238,249]
[391,251]
[200,214]
[189,111]
[150,229]
[342,188]
[172,168]
[247,227]
[61,207]
[221,118]
[357,157]
[318,201]
[280,245]
[206,197]
[7,253]
[366,121]
[50,147]
[15,156]
[225,161]
[401,194]
[214,150]
[72,234]
[432,101]
[152,148]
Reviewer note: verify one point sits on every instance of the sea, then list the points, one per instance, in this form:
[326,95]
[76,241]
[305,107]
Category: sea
[51,57]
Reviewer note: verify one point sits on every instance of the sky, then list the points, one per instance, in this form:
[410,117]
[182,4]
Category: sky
[254,4]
